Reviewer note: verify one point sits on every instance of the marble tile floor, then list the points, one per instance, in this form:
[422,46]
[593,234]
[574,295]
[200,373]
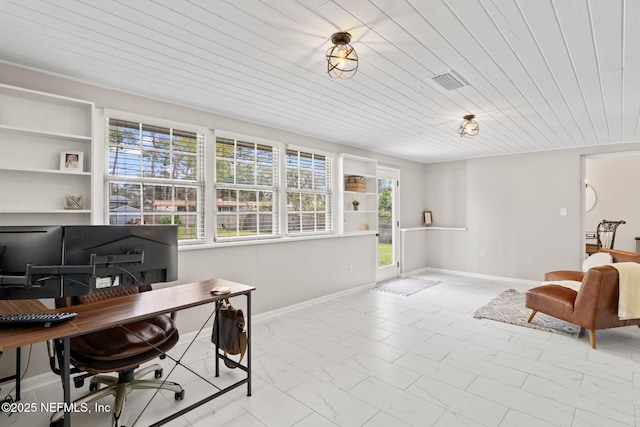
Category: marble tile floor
[376,359]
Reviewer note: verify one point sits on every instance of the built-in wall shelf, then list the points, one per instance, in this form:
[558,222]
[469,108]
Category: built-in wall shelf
[39,133]
[51,211]
[365,218]
[51,171]
[58,135]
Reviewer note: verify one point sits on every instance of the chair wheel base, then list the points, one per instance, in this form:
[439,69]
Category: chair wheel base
[179,395]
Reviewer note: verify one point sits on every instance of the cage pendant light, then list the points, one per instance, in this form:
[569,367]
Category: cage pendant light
[342,59]
[469,127]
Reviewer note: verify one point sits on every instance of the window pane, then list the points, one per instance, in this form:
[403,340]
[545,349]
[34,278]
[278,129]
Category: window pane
[247,201]
[266,224]
[156,137]
[187,226]
[320,180]
[156,164]
[248,224]
[185,167]
[292,178]
[246,173]
[293,201]
[124,162]
[245,151]
[308,222]
[293,223]
[291,158]
[321,202]
[124,203]
[308,202]
[225,148]
[158,198]
[321,222]
[265,154]
[306,179]
[186,199]
[124,134]
[264,175]
[185,142]
[224,171]
[266,201]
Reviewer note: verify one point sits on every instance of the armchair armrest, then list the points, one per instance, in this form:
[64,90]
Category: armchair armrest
[564,275]
[596,305]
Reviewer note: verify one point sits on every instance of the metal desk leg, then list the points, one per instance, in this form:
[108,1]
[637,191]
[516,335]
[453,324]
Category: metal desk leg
[249,344]
[217,332]
[65,374]
[18,371]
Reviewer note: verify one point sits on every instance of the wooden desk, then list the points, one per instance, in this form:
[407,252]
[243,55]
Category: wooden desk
[18,307]
[115,312]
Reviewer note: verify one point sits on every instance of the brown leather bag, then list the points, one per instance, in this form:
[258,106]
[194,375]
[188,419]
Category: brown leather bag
[233,337]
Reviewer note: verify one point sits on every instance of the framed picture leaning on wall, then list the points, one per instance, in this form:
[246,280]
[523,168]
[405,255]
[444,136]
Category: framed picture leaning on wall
[427,218]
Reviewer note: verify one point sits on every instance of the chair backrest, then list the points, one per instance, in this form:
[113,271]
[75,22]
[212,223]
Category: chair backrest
[622,256]
[606,233]
[101,295]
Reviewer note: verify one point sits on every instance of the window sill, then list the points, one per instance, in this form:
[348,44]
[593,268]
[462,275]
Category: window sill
[287,239]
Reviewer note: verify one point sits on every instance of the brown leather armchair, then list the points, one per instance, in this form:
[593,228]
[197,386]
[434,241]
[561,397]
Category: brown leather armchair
[121,350]
[593,307]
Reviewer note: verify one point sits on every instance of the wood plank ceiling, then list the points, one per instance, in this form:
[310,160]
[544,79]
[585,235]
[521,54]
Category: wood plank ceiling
[543,74]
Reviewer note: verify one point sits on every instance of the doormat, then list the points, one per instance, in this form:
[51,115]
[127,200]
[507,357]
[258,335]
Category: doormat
[407,286]
[508,307]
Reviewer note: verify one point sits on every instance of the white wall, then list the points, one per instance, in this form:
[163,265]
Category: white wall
[513,213]
[285,272]
[612,179]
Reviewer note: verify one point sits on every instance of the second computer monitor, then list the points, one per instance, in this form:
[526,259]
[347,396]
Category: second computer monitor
[124,255]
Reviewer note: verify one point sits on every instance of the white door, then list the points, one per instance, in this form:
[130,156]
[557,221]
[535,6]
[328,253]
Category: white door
[388,190]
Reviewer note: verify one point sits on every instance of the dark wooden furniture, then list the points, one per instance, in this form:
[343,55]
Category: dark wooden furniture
[606,233]
[101,315]
[15,307]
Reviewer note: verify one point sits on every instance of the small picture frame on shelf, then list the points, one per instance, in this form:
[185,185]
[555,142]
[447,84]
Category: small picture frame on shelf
[71,161]
[427,218]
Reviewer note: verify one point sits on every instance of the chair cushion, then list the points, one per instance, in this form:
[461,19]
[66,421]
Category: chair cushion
[123,342]
[554,300]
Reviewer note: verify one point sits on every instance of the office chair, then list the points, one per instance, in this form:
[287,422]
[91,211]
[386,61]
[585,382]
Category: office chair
[606,233]
[120,350]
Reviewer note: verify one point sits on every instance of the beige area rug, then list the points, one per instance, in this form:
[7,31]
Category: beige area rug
[508,307]
[407,286]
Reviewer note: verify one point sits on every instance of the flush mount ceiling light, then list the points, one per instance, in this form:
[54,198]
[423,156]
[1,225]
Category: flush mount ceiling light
[469,127]
[342,59]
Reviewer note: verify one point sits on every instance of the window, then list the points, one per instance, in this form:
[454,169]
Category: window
[246,189]
[155,176]
[308,178]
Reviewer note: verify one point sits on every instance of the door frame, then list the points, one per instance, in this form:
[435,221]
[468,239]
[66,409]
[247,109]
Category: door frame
[391,271]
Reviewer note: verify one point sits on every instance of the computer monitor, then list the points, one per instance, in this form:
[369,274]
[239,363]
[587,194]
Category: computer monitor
[21,246]
[120,255]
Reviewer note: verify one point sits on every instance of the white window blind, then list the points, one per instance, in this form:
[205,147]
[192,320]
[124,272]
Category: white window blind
[309,192]
[155,175]
[247,195]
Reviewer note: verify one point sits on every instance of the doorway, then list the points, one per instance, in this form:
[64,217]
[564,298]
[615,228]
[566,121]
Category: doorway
[388,189]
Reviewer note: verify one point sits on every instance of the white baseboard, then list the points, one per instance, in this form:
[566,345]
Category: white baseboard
[484,276]
[291,308]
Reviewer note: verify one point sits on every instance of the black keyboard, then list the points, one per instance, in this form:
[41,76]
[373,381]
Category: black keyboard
[45,319]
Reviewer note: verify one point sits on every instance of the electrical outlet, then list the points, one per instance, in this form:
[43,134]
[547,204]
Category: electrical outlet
[483,253]
[350,268]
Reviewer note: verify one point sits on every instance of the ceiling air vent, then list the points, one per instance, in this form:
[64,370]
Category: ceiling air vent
[450,80]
